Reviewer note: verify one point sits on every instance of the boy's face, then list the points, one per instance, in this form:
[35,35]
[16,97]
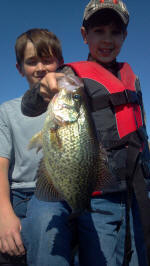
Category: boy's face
[35,68]
[104,41]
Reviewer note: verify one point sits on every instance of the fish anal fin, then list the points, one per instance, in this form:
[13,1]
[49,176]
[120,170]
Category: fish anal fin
[45,189]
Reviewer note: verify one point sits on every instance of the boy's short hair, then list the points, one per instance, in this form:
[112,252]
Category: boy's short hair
[45,42]
[105,11]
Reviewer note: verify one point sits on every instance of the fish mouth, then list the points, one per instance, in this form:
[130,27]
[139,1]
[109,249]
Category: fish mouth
[66,106]
[65,114]
[59,121]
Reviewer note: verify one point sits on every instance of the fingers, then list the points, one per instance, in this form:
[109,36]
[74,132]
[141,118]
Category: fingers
[48,87]
[12,245]
[46,92]
[19,244]
[52,80]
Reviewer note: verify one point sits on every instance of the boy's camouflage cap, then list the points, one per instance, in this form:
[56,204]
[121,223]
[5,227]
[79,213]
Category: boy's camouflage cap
[117,5]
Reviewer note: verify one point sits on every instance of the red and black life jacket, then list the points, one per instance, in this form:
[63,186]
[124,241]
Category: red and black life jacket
[106,91]
[116,107]
[117,111]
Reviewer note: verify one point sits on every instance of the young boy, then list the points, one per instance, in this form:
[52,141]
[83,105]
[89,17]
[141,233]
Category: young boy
[38,52]
[112,235]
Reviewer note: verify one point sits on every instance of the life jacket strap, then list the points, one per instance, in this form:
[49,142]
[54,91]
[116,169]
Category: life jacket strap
[134,145]
[115,99]
[115,144]
[143,200]
[136,184]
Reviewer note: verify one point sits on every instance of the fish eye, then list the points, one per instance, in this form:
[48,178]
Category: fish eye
[76,97]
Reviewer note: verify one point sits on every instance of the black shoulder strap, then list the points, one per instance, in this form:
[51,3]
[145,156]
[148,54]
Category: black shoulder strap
[115,99]
[144,206]
[136,183]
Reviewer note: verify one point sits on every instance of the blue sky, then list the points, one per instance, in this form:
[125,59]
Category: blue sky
[64,18]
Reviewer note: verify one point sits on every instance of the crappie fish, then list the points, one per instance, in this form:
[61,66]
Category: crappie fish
[71,164]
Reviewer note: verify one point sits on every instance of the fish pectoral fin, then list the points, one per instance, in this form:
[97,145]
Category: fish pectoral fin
[45,189]
[36,142]
[54,137]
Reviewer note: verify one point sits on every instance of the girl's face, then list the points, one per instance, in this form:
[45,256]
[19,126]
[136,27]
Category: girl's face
[35,68]
[104,41]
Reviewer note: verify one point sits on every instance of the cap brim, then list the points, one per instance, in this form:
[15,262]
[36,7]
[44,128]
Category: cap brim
[124,19]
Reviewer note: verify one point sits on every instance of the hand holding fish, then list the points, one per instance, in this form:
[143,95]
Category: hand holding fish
[49,86]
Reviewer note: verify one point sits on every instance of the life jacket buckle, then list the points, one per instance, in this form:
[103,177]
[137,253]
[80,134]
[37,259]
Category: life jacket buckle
[131,96]
[124,97]
[127,96]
